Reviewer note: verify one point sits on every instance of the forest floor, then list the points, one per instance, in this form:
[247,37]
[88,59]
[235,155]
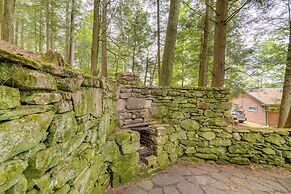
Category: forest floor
[185,178]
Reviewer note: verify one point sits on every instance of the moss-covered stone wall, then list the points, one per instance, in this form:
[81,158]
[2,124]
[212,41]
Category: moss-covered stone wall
[201,118]
[58,131]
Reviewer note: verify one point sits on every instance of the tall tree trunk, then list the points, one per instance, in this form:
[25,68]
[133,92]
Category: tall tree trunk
[7,25]
[218,71]
[203,68]
[133,58]
[95,42]
[67,44]
[1,16]
[47,20]
[158,40]
[286,97]
[104,39]
[170,43]
[72,29]
[40,45]
[147,68]
[22,35]
[16,32]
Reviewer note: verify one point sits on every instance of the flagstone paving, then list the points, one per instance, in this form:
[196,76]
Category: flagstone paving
[185,178]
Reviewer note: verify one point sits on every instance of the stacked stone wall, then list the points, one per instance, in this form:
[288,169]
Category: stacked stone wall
[201,118]
[57,130]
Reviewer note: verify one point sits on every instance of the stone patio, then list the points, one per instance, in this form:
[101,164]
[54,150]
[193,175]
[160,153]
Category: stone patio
[185,178]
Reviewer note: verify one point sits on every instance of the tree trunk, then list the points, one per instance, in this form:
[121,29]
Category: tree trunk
[147,68]
[104,39]
[47,20]
[95,42]
[170,43]
[40,45]
[133,58]
[218,71]
[203,68]
[72,29]
[286,97]
[158,40]
[1,16]
[67,44]
[16,31]
[22,35]
[7,25]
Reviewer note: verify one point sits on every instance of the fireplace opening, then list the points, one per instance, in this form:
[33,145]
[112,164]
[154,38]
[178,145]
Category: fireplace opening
[146,143]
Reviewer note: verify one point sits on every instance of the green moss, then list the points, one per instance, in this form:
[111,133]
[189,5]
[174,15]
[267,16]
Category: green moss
[26,134]
[9,97]
[26,79]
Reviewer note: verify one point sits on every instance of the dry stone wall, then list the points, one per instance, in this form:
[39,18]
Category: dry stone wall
[57,131]
[200,118]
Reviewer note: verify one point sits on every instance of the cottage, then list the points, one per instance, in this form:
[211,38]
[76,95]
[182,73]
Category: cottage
[260,106]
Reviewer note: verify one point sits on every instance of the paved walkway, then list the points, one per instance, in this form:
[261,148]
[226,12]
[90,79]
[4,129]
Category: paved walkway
[184,178]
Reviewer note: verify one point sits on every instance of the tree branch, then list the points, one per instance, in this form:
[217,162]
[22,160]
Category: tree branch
[236,12]
[200,14]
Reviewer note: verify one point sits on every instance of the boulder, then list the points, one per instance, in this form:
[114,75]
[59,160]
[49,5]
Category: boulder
[88,101]
[26,79]
[63,127]
[135,103]
[190,125]
[9,97]
[23,134]
[275,139]
[39,98]
[25,110]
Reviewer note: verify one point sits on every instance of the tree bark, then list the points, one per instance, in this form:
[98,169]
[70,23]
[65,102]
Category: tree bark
[170,43]
[40,45]
[1,16]
[47,21]
[133,58]
[284,120]
[95,41]
[218,71]
[158,40]
[104,39]
[7,25]
[72,29]
[146,68]
[203,68]
[67,44]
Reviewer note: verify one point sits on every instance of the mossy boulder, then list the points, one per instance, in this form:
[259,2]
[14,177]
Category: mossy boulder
[63,127]
[69,84]
[48,158]
[20,187]
[237,149]
[208,135]
[190,125]
[206,156]
[71,167]
[220,142]
[10,170]
[269,151]
[26,79]
[40,98]
[25,110]
[9,97]
[88,101]
[253,137]
[275,139]
[240,161]
[23,134]
[125,169]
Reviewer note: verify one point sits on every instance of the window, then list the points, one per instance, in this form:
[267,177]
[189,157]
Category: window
[253,109]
